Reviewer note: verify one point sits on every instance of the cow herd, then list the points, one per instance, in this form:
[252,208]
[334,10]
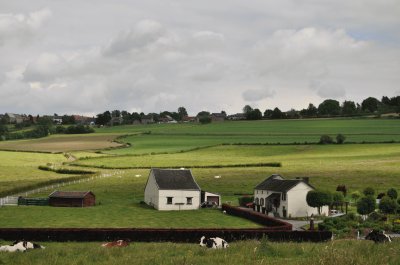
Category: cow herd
[209,242]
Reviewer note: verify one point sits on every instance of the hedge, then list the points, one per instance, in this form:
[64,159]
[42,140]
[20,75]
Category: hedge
[156,235]
[66,170]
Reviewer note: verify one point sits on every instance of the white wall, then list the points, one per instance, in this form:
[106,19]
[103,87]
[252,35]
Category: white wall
[297,206]
[151,192]
[179,196]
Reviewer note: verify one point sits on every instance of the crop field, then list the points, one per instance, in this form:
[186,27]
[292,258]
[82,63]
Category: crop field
[244,252]
[118,205]
[62,143]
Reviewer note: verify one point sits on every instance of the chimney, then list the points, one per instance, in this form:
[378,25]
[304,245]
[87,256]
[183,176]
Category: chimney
[306,180]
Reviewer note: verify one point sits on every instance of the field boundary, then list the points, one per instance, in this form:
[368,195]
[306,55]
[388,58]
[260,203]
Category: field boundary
[158,235]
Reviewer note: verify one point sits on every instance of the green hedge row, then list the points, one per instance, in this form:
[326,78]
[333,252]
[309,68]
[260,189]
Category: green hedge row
[66,170]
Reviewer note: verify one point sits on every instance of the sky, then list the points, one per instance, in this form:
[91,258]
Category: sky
[85,57]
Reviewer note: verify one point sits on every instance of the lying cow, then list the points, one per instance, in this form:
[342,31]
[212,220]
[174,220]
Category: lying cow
[118,243]
[378,236]
[213,242]
[20,246]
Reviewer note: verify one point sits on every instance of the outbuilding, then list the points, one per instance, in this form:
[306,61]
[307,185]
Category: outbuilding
[72,199]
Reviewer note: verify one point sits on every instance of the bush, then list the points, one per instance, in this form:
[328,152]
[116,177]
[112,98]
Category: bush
[369,191]
[79,129]
[340,138]
[387,205]
[318,199]
[205,119]
[366,205]
[392,193]
[60,129]
[245,199]
[325,139]
[356,195]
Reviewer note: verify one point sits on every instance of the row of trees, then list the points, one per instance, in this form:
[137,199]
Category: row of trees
[329,108]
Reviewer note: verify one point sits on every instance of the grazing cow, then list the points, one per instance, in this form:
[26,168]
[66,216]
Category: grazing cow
[378,236]
[20,246]
[118,243]
[213,242]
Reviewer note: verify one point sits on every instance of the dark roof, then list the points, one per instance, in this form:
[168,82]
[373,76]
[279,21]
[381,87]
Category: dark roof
[175,179]
[277,183]
[69,194]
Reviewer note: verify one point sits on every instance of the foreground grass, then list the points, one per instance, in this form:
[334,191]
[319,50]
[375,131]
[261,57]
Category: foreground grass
[241,252]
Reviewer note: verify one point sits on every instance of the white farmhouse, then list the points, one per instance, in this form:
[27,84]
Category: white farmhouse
[285,197]
[175,189]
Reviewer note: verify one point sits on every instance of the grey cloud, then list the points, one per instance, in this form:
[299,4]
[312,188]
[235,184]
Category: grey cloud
[257,94]
[326,89]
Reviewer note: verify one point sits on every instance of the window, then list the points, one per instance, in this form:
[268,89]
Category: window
[189,200]
[283,196]
[262,202]
[257,201]
[169,200]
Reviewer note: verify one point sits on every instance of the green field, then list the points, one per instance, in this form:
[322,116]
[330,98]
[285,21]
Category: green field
[244,252]
[118,205]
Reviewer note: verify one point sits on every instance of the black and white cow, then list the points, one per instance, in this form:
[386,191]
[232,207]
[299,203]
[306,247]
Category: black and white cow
[20,246]
[378,236]
[213,242]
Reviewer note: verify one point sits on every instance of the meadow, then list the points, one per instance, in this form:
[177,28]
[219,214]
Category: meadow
[243,252]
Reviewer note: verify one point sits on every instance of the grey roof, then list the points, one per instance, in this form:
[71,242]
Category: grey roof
[175,179]
[277,183]
[69,194]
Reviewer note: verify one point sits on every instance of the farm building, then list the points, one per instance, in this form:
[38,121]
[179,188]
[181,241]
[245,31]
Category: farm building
[175,189]
[72,199]
[284,197]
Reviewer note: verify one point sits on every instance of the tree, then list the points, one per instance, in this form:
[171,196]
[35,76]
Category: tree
[3,129]
[337,199]
[325,139]
[349,108]
[68,119]
[277,114]
[370,104]
[318,199]
[340,138]
[366,205]
[392,193]
[268,113]
[329,107]
[368,191]
[103,118]
[203,113]
[388,205]
[204,119]
[312,111]
[254,115]
[182,112]
[247,109]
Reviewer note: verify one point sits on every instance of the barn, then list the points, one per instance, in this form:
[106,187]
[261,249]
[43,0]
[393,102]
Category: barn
[72,199]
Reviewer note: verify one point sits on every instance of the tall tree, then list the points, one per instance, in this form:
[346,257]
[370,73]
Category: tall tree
[329,107]
[247,109]
[349,108]
[182,112]
[370,104]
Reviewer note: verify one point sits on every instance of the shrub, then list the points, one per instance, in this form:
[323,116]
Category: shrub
[318,199]
[356,195]
[340,138]
[392,193]
[366,205]
[369,191]
[245,199]
[205,119]
[78,129]
[325,139]
[387,205]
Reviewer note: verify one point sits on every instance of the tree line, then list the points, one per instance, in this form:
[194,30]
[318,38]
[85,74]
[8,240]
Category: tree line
[329,108]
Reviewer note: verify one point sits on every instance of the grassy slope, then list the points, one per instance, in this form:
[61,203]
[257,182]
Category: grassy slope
[246,252]
[18,170]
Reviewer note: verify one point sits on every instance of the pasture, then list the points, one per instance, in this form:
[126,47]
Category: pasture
[117,205]
[244,252]
[19,170]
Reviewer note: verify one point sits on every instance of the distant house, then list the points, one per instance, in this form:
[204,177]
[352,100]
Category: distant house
[175,189]
[72,199]
[57,119]
[14,118]
[166,119]
[237,116]
[189,119]
[147,119]
[79,119]
[216,117]
[116,121]
[284,197]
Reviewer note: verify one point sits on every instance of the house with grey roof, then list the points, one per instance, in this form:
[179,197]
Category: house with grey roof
[175,189]
[284,197]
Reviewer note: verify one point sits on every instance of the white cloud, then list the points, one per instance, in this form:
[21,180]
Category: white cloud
[257,94]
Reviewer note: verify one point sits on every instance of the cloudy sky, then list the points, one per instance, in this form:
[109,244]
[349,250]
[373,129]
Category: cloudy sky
[93,55]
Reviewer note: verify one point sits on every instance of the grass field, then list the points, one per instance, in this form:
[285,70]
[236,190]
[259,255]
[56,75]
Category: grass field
[20,170]
[245,252]
[62,143]
[118,205]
